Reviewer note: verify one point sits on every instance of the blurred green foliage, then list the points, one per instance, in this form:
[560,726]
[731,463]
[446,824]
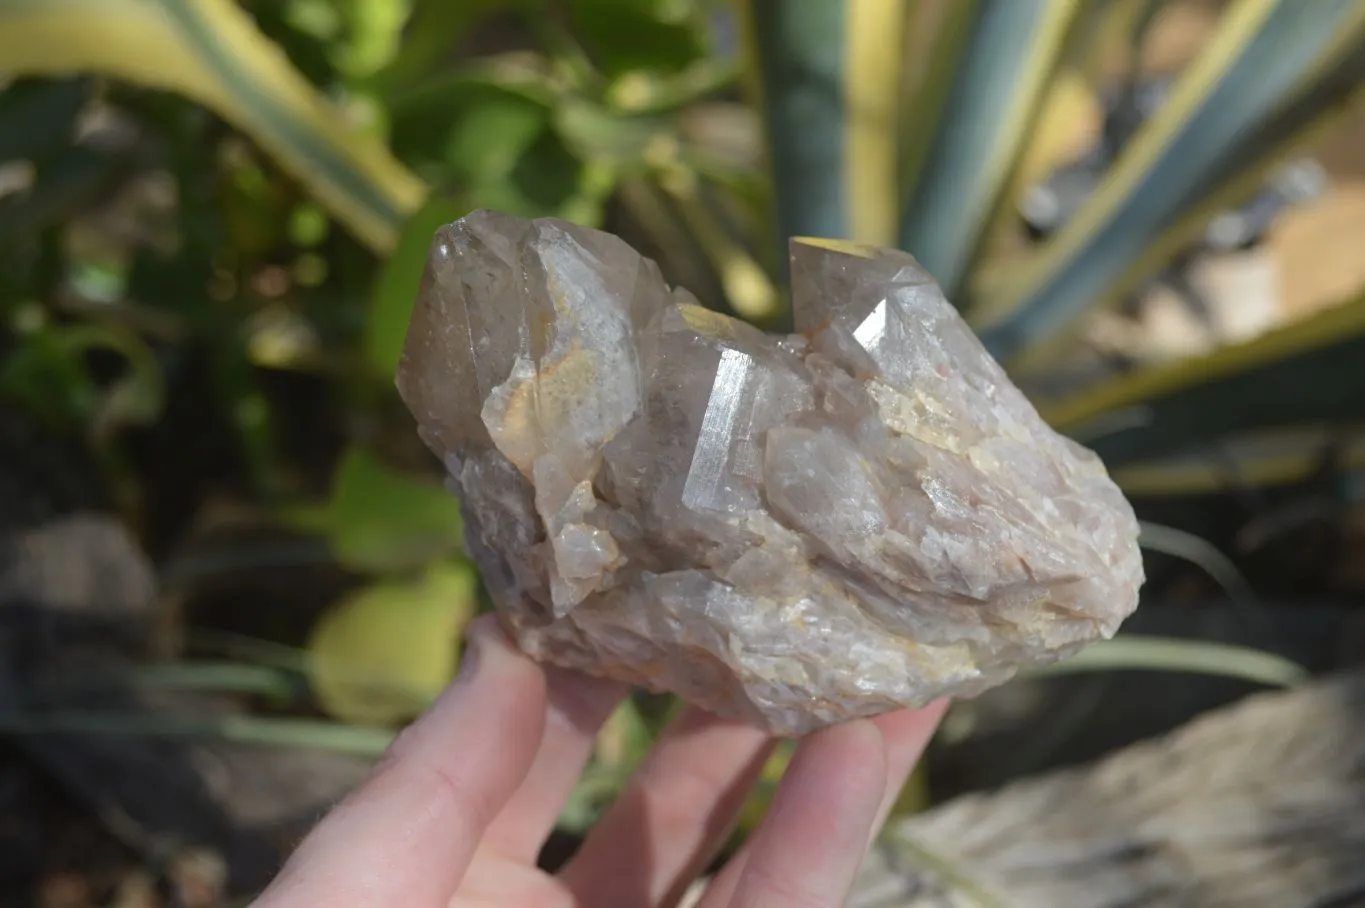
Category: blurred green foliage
[205,200]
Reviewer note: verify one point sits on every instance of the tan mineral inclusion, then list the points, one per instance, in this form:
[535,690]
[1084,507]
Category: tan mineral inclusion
[795,530]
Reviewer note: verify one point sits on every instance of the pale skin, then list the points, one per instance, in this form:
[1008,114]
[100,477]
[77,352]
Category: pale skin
[456,812]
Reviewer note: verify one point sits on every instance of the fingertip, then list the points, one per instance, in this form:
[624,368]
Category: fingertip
[809,847]
[576,708]
[858,744]
[491,657]
[487,626]
[581,702]
[485,636]
[866,734]
[906,733]
[843,766]
[406,835]
[903,725]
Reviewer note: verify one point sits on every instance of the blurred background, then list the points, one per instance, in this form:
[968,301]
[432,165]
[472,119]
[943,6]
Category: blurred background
[228,567]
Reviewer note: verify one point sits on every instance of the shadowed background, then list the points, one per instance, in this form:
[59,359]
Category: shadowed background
[228,567]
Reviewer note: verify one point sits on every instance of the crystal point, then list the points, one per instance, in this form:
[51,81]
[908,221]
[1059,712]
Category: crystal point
[791,530]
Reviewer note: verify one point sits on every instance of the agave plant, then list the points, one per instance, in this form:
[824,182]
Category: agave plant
[936,168]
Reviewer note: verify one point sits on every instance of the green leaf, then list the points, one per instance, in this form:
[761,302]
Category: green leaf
[48,374]
[212,52]
[379,519]
[551,180]
[873,85]
[43,376]
[382,654]
[621,745]
[526,75]
[215,677]
[797,53]
[1001,72]
[756,805]
[1195,549]
[596,132]
[1140,653]
[374,32]
[400,278]
[624,36]
[493,133]
[434,27]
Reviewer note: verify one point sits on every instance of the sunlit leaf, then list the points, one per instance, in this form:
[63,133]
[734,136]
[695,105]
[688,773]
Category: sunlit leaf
[375,31]
[380,519]
[621,744]
[382,654]
[597,132]
[760,799]
[748,288]
[873,85]
[212,52]
[1131,652]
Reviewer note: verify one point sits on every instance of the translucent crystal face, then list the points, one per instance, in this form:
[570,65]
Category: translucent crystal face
[794,530]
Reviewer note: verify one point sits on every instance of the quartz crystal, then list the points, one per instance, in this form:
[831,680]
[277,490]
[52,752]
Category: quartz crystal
[793,530]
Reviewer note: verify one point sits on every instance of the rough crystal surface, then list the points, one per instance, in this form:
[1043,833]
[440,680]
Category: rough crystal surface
[795,530]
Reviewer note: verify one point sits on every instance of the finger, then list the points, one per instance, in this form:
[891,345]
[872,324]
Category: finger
[578,705]
[673,815]
[906,733]
[808,849]
[405,837]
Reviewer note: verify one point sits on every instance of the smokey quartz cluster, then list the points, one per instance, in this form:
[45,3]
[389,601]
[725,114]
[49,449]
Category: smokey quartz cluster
[796,530]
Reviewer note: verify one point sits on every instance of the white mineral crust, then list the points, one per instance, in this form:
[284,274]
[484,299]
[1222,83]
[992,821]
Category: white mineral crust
[794,530]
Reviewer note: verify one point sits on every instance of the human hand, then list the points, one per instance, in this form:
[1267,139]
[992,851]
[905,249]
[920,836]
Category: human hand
[458,809]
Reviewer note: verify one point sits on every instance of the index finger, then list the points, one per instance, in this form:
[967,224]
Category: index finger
[406,836]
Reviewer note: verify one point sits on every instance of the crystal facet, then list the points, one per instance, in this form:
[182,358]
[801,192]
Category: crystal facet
[792,530]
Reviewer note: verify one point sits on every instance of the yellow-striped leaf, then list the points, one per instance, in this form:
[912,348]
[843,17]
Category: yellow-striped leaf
[1166,409]
[873,81]
[212,52]
[1258,459]
[796,58]
[1271,69]
[999,76]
